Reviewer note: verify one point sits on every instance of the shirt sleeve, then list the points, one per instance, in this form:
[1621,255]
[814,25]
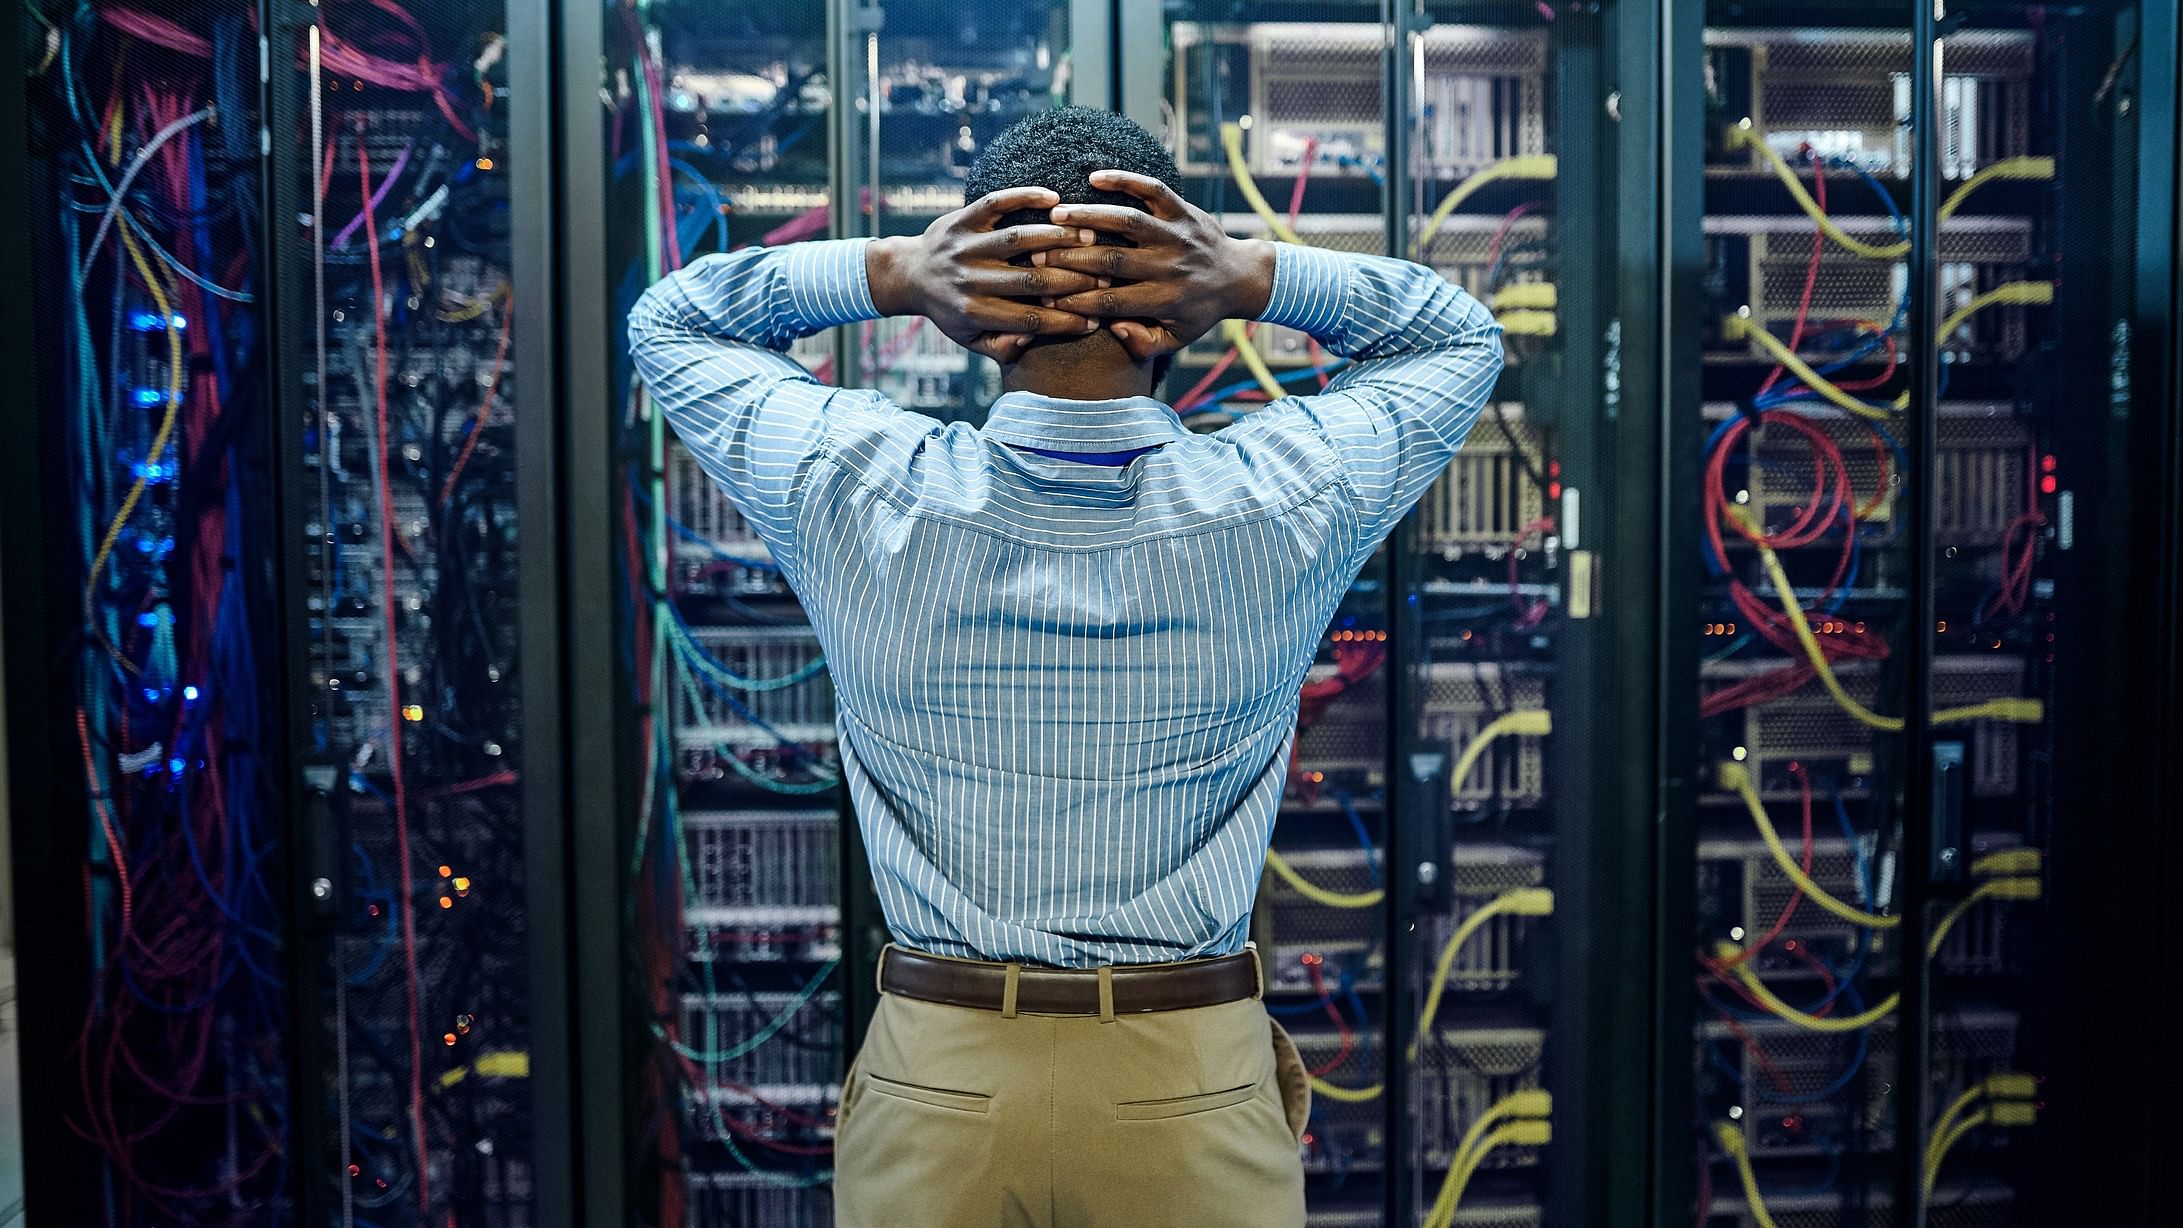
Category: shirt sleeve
[1423,357]
[709,343]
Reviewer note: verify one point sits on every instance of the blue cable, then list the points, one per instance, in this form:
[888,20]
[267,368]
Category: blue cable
[1364,837]
[1302,373]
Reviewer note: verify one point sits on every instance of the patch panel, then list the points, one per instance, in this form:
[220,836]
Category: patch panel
[744,862]
[1288,927]
[1784,1119]
[1343,1136]
[802,1070]
[1316,86]
[1463,1071]
[1486,499]
[802,711]
[1953,1206]
[1746,883]
[1982,471]
[1808,727]
[1491,961]
[1846,93]
[1343,742]
[737,1197]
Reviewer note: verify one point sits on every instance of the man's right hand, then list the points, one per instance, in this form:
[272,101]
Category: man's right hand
[958,275]
[1184,273]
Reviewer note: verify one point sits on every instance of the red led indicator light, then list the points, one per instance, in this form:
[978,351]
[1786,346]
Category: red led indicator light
[2046,463]
[2047,484]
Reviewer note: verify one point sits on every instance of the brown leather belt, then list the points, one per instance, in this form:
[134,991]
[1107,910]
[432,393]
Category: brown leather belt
[1128,989]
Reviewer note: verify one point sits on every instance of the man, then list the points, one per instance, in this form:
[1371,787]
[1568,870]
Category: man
[1067,647]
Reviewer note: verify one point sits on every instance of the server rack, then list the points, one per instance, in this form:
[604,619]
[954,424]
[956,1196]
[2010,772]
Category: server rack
[284,471]
[1442,924]
[737,942]
[1915,225]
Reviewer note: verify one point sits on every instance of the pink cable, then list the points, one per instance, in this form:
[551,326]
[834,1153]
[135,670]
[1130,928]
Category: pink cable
[380,461]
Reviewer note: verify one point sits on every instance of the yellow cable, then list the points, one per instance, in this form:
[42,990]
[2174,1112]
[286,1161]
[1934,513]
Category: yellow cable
[1991,889]
[1731,1140]
[1536,721]
[2008,861]
[1231,137]
[2016,711]
[1523,902]
[1937,1150]
[1253,361]
[1347,1095]
[1527,323]
[1737,777]
[1741,327]
[1948,1117]
[2008,168]
[1528,1132]
[1318,894]
[1527,1102]
[1727,951]
[152,456]
[1526,294]
[1522,166]
[496,1064]
[1532,722]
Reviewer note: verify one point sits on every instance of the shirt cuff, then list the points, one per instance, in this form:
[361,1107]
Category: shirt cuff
[1310,289]
[828,283]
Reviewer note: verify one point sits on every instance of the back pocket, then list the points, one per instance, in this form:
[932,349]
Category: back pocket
[962,1102]
[1183,1106]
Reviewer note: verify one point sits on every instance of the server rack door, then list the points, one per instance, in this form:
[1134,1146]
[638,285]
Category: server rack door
[1279,123]
[1820,439]
[392,274]
[2036,496]
[1522,1096]
[717,137]
[143,683]
[1481,617]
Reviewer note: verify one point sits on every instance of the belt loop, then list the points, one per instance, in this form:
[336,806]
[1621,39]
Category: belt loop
[879,969]
[1008,991]
[1106,993]
[1258,973]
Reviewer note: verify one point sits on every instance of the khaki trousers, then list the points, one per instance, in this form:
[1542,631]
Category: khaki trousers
[965,1118]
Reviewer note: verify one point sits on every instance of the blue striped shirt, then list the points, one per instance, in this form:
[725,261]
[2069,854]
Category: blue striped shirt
[1066,691]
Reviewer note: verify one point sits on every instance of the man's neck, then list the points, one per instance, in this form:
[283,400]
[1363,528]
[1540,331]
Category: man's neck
[1068,373]
[1076,388]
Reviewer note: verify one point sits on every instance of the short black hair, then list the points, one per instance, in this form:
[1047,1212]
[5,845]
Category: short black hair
[1059,149]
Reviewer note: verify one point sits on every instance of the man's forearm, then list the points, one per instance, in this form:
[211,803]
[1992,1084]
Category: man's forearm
[759,296]
[1367,307]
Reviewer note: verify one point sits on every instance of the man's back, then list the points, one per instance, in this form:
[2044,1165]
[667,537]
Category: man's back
[1067,685]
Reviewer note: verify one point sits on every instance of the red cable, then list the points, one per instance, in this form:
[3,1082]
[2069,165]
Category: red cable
[1796,897]
[381,460]
[1189,400]
[1811,270]
[492,387]
[1341,1025]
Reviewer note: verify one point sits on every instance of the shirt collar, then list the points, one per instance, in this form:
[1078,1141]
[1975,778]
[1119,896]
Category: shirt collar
[1033,421]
